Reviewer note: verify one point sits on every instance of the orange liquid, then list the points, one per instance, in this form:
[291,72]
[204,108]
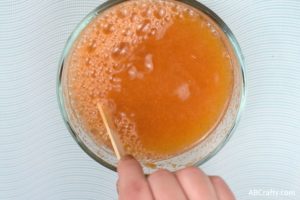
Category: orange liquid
[163,70]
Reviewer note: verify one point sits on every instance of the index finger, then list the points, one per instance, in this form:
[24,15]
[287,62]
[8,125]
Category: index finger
[132,181]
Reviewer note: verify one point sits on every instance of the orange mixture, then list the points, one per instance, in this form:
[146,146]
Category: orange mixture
[162,69]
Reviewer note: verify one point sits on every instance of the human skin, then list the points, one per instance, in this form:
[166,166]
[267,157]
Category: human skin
[190,183]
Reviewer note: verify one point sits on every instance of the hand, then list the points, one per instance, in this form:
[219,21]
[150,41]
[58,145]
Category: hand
[187,184]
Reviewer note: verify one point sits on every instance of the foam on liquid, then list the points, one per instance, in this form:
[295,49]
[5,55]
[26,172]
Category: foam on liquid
[162,69]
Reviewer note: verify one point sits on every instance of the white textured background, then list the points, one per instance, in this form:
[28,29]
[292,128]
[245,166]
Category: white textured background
[40,160]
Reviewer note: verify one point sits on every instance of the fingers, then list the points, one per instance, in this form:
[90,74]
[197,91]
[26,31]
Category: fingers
[132,182]
[190,183]
[165,186]
[221,188]
[196,184]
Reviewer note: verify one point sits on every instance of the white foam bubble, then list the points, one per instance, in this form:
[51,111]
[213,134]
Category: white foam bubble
[122,13]
[191,13]
[153,31]
[132,72]
[107,28]
[109,104]
[226,54]
[143,27]
[120,50]
[149,62]
[116,80]
[183,92]
[212,29]
[162,12]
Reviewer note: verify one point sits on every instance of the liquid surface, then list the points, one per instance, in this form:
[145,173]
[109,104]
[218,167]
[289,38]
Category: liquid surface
[162,69]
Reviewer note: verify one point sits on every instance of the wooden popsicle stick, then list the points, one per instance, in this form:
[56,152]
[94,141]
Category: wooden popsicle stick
[111,131]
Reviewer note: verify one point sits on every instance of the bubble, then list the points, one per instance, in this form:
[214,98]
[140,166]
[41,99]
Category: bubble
[214,32]
[96,92]
[87,61]
[116,88]
[183,92]
[212,29]
[116,80]
[167,18]
[145,37]
[194,57]
[134,41]
[143,27]
[147,12]
[127,32]
[153,31]
[118,68]
[94,114]
[134,17]
[160,33]
[109,104]
[160,13]
[149,62]
[91,48]
[132,72]
[89,72]
[191,13]
[144,5]
[107,28]
[174,8]
[128,65]
[122,13]
[120,50]
[141,38]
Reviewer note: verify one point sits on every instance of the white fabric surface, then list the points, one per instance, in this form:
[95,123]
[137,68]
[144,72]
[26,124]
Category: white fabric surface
[40,160]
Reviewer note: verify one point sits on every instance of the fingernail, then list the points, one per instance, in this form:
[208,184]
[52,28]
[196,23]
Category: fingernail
[127,157]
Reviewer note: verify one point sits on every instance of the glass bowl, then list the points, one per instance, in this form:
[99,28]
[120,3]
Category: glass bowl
[193,156]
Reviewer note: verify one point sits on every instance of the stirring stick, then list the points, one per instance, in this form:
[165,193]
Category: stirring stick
[111,130]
